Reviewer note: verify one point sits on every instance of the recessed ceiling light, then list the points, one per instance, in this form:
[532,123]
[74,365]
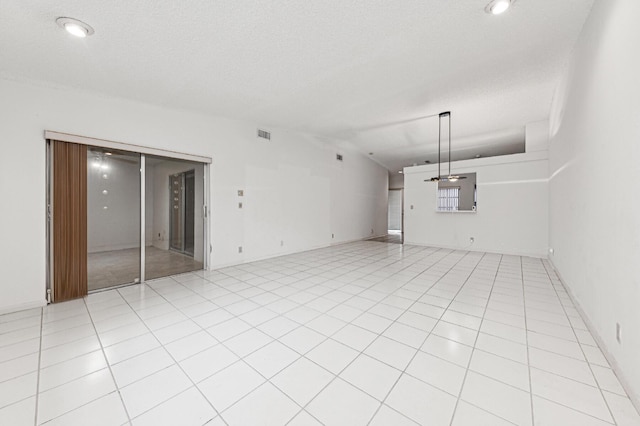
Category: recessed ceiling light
[75,27]
[496,7]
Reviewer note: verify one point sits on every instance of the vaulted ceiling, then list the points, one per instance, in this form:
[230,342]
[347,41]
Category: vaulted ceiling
[358,70]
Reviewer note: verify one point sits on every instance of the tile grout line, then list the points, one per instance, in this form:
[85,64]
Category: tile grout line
[35,420]
[526,336]
[240,358]
[303,305]
[366,347]
[430,331]
[176,363]
[319,343]
[407,309]
[466,373]
[366,282]
[359,352]
[85,375]
[159,294]
[104,355]
[582,350]
[330,338]
[279,315]
[201,329]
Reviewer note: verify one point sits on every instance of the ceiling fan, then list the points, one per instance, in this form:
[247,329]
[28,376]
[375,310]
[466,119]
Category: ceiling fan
[440,177]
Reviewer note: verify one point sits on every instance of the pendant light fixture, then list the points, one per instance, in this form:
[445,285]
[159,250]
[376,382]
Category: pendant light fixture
[449,177]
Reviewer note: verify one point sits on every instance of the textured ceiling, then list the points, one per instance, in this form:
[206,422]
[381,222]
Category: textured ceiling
[351,69]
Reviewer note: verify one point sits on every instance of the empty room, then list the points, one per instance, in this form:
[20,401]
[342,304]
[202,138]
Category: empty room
[412,212]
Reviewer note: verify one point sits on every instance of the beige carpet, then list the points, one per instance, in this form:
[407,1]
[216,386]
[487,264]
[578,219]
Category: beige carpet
[111,268]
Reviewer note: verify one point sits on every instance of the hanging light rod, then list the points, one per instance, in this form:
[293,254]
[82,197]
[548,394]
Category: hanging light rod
[449,177]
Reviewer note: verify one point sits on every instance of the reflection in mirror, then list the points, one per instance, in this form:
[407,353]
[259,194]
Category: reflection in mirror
[458,194]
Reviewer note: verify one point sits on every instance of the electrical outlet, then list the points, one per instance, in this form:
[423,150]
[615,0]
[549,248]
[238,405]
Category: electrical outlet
[281,243]
[371,231]
[240,249]
[411,206]
[239,205]
[333,236]
[551,251]
[618,333]
[472,240]
[240,193]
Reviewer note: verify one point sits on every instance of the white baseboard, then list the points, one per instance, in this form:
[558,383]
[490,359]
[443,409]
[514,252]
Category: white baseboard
[635,400]
[259,258]
[23,307]
[214,266]
[538,255]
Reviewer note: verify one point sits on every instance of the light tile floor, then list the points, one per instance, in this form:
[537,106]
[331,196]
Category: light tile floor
[362,333]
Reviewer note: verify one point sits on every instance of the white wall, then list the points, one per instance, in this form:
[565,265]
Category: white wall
[595,180]
[512,206]
[295,190]
[118,226]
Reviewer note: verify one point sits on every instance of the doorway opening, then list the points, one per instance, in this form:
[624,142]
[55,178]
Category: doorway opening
[395,213]
[395,228]
[395,219]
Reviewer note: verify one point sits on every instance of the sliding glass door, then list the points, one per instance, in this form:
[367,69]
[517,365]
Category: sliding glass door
[118,217]
[113,217]
[174,204]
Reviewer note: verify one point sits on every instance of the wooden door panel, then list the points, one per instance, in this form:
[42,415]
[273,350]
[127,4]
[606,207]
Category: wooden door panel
[69,221]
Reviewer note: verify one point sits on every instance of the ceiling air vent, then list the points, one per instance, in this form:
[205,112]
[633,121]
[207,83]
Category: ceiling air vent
[264,134]
[339,157]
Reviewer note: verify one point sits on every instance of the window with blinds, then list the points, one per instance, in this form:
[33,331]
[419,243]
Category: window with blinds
[448,199]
